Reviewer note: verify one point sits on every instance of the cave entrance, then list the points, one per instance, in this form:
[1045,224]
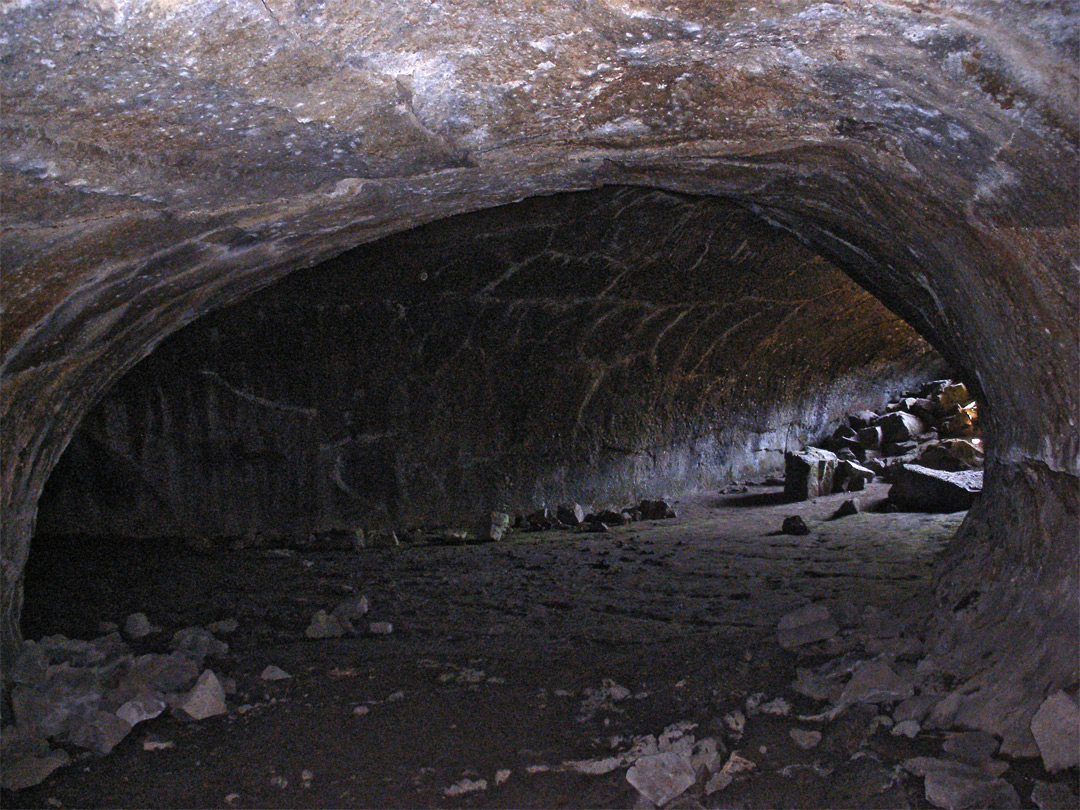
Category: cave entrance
[596,348]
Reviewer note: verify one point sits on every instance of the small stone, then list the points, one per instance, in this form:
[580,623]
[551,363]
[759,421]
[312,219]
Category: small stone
[594,767]
[955,792]
[350,611]
[736,724]
[206,699]
[915,708]
[138,626]
[906,728]
[778,707]
[1056,728]
[735,766]
[847,508]
[197,643]
[465,786]
[145,706]
[154,743]
[876,682]
[806,625]
[394,697]
[974,747]
[24,771]
[501,776]
[108,627]
[274,673]
[323,625]
[232,798]
[707,754]
[380,628]
[1053,796]
[224,627]
[805,739]
[662,777]
[794,525]
[360,711]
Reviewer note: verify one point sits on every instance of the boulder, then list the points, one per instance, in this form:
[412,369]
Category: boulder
[847,508]
[662,777]
[952,791]
[851,477]
[197,643]
[952,455]
[921,489]
[973,747]
[206,699]
[570,514]
[610,517]
[861,419]
[900,426]
[493,527]
[350,611]
[26,770]
[1053,796]
[809,473]
[137,626]
[954,394]
[875,681]
[1056,728]
[795,525]
[95,730]
[146,705]
[655,510]
[870,437]
[540,520]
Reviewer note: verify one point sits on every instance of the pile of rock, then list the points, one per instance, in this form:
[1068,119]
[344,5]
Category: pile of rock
[72,694]
[880,672]
[571,516]
[927,443]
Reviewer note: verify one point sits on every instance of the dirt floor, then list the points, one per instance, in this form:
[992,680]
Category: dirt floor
[501,662]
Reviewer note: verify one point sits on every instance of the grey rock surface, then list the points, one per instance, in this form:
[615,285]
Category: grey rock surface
[1056,728]
[926,490]
[662,777]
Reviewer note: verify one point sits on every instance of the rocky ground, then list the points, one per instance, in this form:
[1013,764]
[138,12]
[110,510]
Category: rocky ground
[550,669]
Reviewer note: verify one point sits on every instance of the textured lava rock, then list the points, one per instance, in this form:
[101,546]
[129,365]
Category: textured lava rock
[809,473]
[565,349]
[162,160]
[928,490]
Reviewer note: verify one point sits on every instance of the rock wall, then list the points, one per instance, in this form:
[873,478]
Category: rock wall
[597,347]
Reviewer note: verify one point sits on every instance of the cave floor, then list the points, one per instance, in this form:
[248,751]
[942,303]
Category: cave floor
[498,661]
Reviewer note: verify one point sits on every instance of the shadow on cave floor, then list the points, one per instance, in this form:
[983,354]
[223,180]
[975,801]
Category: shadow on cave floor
[498,663]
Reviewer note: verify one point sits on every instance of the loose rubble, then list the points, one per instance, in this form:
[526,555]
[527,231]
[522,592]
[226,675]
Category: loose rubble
[926,443]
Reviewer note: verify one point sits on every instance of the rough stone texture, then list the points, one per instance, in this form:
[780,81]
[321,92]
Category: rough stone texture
[165,159]
[1056,728]
[809,473]
[507,360]
[662,777]
[927,490]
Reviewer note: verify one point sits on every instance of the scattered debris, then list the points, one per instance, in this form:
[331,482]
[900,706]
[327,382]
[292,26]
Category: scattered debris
[465,786]
[274,673]
[380,628]
[733,768]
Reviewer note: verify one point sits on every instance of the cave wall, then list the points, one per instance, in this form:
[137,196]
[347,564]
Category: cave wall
[165,158]
[596,347]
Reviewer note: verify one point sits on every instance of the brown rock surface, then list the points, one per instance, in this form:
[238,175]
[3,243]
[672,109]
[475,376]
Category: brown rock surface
[163,160]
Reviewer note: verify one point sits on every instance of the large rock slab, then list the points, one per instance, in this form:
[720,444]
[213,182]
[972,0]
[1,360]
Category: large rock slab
[921,489]
[809,473]
[662,777]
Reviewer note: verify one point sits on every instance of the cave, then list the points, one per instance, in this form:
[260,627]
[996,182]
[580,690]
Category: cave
[304,287]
